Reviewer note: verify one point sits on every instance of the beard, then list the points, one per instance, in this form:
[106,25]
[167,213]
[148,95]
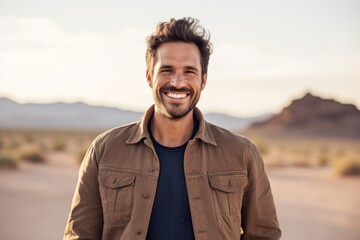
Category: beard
[173,110]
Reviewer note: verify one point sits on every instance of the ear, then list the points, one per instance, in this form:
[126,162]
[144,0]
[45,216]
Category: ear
[204,80]
[148,78]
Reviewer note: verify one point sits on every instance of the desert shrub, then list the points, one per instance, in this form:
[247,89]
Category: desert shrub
[32,155]
[6,162]
[59,145]
[347,166]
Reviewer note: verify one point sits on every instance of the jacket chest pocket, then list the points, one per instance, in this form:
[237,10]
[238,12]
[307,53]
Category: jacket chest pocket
[117,195]
[227,192]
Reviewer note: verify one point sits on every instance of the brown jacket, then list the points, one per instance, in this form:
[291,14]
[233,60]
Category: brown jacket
[229,192]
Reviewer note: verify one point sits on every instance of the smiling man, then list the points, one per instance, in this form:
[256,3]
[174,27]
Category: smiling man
[172,175]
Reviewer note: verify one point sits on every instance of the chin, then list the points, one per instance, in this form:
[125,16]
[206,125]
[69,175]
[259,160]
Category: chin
[178,114]
[174,112]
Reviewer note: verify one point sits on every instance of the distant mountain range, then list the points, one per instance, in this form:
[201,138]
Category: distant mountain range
[311,116]
[81,116]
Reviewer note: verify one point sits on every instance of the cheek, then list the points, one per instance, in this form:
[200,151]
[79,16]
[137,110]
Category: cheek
[159,83]
[198,86]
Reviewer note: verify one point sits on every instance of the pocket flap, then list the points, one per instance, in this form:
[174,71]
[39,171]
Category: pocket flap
[116,179]
[228,183]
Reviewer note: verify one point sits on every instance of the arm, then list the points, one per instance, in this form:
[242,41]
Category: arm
[86,218]
[258,212]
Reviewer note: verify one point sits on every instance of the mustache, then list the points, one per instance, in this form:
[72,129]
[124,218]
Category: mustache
[174,89]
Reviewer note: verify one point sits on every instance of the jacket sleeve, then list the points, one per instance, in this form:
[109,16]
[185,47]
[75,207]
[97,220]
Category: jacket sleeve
[259,219]
[86,218]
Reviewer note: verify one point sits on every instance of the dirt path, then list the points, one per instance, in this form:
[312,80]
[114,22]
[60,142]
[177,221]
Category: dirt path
[311,203]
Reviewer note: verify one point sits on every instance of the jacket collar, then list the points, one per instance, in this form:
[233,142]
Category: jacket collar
[141,132]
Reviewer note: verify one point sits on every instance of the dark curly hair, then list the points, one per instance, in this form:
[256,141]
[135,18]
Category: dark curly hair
[186,30]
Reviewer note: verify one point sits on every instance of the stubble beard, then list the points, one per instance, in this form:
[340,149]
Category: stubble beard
[173,111]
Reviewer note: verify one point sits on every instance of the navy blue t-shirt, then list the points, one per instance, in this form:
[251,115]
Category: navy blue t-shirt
[170,216]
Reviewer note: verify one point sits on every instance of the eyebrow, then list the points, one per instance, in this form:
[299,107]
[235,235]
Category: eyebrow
[166,66]
[186,67]
[191,68]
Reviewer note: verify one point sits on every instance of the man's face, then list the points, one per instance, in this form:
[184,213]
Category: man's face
[176,81]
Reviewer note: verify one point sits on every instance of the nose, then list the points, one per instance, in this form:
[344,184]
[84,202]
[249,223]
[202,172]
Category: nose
[177,80]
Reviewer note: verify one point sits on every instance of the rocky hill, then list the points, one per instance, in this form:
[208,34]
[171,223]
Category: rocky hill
[311,116]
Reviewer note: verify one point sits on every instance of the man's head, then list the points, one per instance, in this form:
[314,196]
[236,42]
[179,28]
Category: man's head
[177,58]
[185,30]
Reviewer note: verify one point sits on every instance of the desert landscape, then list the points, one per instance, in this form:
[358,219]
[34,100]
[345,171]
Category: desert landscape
[315,178]
[314,199]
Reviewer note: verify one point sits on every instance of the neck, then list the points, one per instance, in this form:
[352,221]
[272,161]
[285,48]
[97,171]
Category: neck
[172,132]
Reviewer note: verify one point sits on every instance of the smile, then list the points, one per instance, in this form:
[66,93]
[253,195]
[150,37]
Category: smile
[176,95]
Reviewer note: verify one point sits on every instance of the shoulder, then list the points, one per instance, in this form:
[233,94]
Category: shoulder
[116,135]
[234,148]
[222,135]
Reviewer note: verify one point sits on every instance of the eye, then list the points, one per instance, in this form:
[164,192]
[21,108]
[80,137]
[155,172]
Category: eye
[190,72]
[165,70]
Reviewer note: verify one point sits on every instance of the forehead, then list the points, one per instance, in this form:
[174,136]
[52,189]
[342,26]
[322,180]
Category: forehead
[178,54]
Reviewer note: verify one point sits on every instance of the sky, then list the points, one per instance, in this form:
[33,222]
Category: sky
[266,53]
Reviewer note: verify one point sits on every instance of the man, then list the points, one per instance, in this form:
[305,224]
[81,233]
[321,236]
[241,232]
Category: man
[172,175]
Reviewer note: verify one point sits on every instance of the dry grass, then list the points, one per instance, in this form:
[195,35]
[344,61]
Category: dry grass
[32,155]
[43,146]
[341,155]
[347,166]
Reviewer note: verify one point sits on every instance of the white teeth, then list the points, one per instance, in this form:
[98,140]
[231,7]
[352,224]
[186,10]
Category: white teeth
[176,95]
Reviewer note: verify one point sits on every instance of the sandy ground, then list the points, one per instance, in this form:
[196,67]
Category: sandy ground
[311,203]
